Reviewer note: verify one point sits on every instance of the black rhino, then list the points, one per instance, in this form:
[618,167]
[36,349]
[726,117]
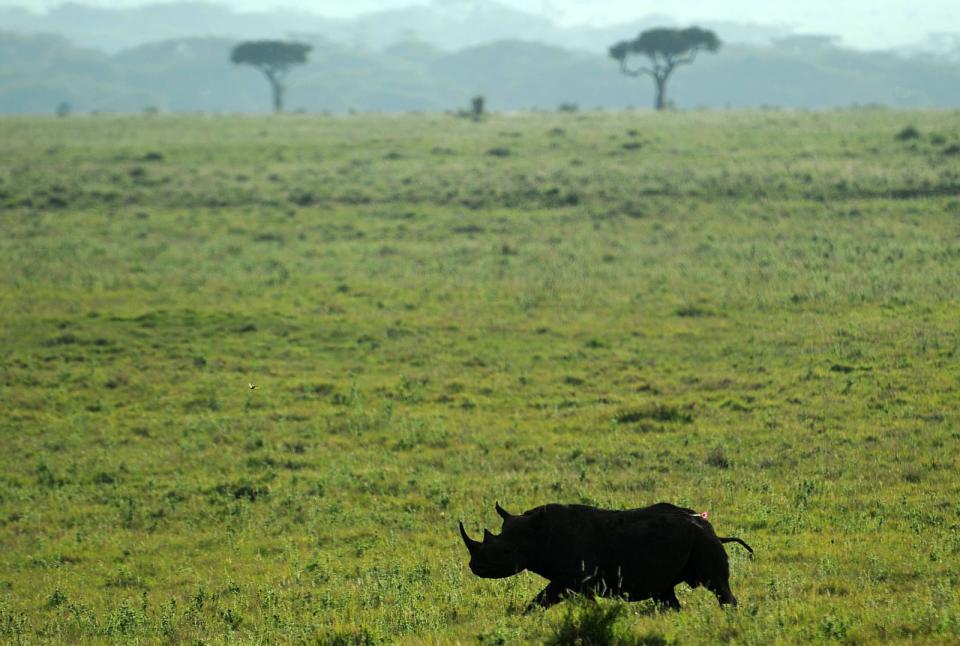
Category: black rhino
[633,554]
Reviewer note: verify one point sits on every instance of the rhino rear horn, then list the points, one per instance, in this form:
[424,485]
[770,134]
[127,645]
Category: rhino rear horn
[503,512]
[487,536]
[471,544]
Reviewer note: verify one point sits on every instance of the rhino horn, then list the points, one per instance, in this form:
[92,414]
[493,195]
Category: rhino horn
[471,544]
[503,512]
[487,536]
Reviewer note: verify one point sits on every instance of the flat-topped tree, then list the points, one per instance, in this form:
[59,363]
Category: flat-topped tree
[274,58]
[665,49]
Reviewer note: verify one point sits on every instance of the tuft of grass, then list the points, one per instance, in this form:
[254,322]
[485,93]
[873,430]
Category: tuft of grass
[907,133]
[718,458]
[655,412]
[56,598]
[587,622]
[347,637]
[912,475]
[594,622]
[692,311]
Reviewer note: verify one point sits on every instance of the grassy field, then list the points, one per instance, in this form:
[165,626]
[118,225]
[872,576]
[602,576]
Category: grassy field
[751,313]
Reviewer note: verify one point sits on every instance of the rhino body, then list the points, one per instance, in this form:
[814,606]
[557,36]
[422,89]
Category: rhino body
[632,554]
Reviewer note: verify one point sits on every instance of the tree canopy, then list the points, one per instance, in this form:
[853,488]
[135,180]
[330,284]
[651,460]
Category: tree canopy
[666,49]
[668,43]
[276,54]
[274,58]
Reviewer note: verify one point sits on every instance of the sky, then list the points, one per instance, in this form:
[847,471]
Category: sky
[871,24]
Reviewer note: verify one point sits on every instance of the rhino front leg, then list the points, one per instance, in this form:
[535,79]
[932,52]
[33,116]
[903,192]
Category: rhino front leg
[555,592]
[667,600]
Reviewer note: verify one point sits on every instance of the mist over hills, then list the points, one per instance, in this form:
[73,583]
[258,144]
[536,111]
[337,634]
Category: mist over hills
[422,59]
[194,74]
[452,25]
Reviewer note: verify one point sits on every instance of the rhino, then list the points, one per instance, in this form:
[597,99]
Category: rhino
[632,554]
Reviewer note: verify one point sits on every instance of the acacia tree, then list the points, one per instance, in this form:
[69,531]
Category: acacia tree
[665,49]
[274,58]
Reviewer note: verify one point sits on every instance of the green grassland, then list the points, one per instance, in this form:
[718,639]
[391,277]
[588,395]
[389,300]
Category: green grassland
[750,313]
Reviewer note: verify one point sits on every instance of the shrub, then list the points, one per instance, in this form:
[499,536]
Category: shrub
[908,133]
[477,108]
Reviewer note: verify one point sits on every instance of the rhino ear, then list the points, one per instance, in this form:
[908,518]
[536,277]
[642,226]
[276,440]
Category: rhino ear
[504,514]
[471,544]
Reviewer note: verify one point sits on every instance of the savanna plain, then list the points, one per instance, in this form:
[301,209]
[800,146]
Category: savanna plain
[253,370]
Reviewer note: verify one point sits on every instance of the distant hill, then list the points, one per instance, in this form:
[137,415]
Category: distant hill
[111,30]
[194,74]
[450,25]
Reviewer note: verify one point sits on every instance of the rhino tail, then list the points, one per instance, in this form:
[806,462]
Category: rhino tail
[734,539]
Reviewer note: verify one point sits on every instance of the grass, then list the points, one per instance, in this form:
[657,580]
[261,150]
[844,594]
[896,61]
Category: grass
[751,313]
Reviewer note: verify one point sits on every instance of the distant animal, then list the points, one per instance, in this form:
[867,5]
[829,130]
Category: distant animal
[633,554]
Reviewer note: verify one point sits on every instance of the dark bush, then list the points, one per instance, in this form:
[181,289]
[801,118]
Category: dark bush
[477,107]
[908,133]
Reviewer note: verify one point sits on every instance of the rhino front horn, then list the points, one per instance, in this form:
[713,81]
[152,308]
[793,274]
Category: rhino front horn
[469,542]
[504,514]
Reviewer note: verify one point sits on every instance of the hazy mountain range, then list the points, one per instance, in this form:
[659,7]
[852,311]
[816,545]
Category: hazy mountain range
[446,25]
[152,57]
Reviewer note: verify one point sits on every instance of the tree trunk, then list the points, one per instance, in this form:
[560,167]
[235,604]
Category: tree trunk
[276,85]
[277,96]
[661,100]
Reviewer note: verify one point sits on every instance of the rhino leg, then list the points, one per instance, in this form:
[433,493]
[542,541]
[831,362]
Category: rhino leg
[718,582]
[666,600]
[555,592]
[710,568]
[724,595]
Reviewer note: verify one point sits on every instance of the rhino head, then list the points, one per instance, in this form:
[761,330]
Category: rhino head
[503,555]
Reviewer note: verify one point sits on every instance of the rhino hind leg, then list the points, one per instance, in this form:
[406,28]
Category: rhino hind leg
[709,568]
[724,595]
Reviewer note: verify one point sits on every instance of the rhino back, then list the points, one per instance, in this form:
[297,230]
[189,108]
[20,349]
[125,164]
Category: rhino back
[634,546]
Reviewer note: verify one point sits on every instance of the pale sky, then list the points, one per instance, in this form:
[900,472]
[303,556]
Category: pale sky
[859,23]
